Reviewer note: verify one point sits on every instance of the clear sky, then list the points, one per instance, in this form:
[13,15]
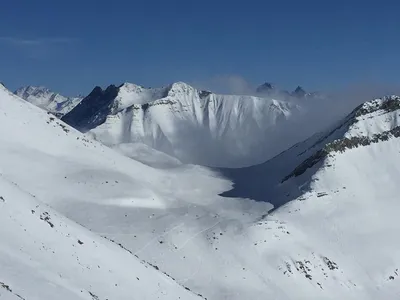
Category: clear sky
[71,46]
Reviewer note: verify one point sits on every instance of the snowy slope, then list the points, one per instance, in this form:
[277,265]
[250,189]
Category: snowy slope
[48,100]
[331,236]
[43,254]
[189,124]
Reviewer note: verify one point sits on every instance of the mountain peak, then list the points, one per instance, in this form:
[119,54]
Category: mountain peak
[265,88]
[180,88]
[299,92]
[181,84]
[131,86]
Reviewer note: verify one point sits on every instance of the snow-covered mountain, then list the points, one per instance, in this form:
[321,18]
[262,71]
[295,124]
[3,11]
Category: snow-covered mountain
[192,125]
[48,100]
[320,218]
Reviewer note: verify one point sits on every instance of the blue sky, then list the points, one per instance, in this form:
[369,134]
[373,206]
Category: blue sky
[71,46]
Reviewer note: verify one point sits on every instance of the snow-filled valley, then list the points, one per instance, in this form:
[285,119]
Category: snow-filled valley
[81,221]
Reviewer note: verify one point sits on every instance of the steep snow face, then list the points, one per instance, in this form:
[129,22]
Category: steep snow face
[48,100]
[192,125]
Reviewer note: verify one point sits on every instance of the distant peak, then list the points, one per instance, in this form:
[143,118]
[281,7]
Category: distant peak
[265,88]
[299,92]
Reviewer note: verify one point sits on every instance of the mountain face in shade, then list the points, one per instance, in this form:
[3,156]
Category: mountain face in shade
[93,109]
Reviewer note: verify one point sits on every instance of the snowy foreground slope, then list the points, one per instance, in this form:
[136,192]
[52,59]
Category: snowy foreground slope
[332,234]
[48,100]
[189,124]
[44,255]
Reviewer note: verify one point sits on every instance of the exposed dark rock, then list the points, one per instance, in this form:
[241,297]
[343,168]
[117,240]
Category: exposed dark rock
[204,94]
[389,103]
[330,264]
[94,297]
[5,286]
[46,217]
[308,163]
[92,111]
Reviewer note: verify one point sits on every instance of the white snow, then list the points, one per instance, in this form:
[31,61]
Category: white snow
[333,237]
[130,94]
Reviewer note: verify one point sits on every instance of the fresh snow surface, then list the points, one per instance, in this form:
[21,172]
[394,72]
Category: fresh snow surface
[48,100]
[332,234]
